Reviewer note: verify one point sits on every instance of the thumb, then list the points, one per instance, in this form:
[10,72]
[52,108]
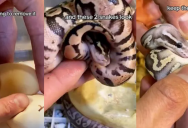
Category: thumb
[177,18]
[62,79]
[12,105]
[1,1]
[183,24]
[5,5]
[165,102]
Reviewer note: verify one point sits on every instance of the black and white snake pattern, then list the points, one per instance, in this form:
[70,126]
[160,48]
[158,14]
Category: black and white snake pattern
[169,50]
[108,46]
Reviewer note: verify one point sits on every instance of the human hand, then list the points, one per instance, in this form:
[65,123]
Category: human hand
[12,105]
[67,76]
[148,14]
[163,104]
[34,25]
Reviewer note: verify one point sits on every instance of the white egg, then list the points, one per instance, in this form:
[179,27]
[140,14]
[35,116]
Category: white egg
[17,78]
[32,116]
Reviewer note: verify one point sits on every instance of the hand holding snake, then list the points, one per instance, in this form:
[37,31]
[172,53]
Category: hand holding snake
[108,46]
[57,82]
[156,96]
[169,50]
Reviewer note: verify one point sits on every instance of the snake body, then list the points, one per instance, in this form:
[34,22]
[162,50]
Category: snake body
[107,45]
[169,50]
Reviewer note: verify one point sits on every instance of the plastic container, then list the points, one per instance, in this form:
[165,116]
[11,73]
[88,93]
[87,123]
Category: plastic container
[56,119]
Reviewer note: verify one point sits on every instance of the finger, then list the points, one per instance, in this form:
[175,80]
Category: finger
[8,34]
[183,121]
[87,76]
[128,1]
[146,83]
[173,16]
[5,6]
[140,30]
[154,13]
[165,98]
[2,1]
[183,24]
[147,15]
[12,105]
[147,12]
[61,80]
[35,27]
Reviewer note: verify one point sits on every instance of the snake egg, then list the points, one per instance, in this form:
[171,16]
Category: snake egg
[17,78]
[32,116]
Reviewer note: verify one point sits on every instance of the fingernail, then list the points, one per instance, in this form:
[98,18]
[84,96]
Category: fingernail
[183,23]
[183,73]
[21,100]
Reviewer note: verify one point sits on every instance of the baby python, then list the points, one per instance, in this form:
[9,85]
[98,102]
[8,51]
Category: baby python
[169,50]
[108,46]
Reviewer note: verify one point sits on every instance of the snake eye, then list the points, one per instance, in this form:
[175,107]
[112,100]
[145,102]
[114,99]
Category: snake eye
[179,45]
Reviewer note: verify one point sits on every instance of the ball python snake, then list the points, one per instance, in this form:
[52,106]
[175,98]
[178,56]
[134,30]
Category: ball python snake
[169,50]
[107,45]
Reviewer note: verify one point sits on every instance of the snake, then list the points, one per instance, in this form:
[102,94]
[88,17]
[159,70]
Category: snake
[95,32]
[169,50]
[77,119]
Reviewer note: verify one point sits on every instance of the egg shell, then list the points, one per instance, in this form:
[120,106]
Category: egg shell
[112,107]
[17,78]
[32,116]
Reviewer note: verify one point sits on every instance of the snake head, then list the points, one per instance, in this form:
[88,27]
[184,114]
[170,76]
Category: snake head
[166,36]
[99,47]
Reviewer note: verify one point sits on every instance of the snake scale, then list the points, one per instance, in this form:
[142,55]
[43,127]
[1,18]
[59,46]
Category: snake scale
[107,45]
[169,50]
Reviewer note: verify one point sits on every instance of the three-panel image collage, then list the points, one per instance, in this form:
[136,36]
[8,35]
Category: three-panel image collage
[94,64]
